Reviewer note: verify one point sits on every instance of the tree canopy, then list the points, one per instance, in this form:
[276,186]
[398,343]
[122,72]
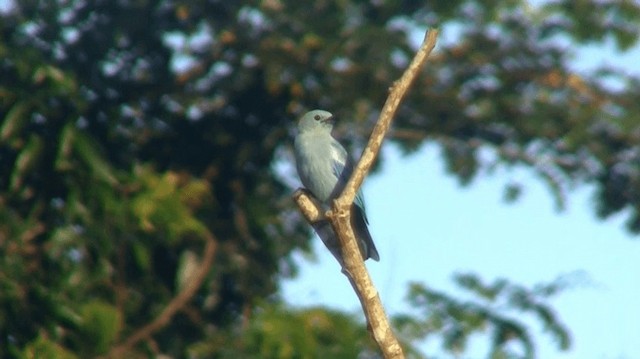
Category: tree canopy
[134,134]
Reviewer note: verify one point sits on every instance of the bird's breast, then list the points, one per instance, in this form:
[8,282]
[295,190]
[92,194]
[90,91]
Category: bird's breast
[315,167]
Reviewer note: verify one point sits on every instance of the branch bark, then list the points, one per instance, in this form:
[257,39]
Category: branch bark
[340,213]
[175,305]
[397,93]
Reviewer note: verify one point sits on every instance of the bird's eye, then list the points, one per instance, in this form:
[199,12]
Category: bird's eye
[316,117]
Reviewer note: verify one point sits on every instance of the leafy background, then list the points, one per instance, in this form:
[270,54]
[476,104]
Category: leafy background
[134,133]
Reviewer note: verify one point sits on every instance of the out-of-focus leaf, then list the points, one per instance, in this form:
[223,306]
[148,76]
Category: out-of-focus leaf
[61,239]
[62,81]
[85,148]
[101,324]
[14,120]
[65,147]
[141,255]
[25,161]
[187,266]
[512,192]
[45,348]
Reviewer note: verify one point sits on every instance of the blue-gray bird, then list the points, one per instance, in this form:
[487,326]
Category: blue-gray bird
[324,168]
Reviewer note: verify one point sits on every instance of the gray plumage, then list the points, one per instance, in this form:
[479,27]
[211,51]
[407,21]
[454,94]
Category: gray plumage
[324,167]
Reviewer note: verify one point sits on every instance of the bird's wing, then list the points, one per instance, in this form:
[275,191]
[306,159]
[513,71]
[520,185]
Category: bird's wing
[341,161]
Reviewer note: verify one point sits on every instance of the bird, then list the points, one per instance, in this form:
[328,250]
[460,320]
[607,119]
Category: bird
[324,168]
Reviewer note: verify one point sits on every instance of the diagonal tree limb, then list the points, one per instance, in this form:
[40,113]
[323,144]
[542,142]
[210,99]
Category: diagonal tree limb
[340,213]
[397,93]
[175,305]
[309,206]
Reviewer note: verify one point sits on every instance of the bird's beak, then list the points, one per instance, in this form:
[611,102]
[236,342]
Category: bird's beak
[330,120]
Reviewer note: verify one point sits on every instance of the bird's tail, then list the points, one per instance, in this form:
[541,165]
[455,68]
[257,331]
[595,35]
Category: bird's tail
[367,247]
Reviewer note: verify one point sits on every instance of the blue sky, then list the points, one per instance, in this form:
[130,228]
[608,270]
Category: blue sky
[427,227]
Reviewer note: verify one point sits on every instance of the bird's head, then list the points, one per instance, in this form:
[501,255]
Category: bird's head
[316,120]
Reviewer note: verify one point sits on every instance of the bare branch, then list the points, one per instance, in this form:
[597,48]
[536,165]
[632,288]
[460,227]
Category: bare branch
[398,91]
[340,215]
[309,205]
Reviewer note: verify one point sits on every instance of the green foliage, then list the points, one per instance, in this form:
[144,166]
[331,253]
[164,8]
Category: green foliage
[164,206]
[44,348]
[101,324]
[14,121]
[496,308]
[284,333]
[129,129]
[590,20]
